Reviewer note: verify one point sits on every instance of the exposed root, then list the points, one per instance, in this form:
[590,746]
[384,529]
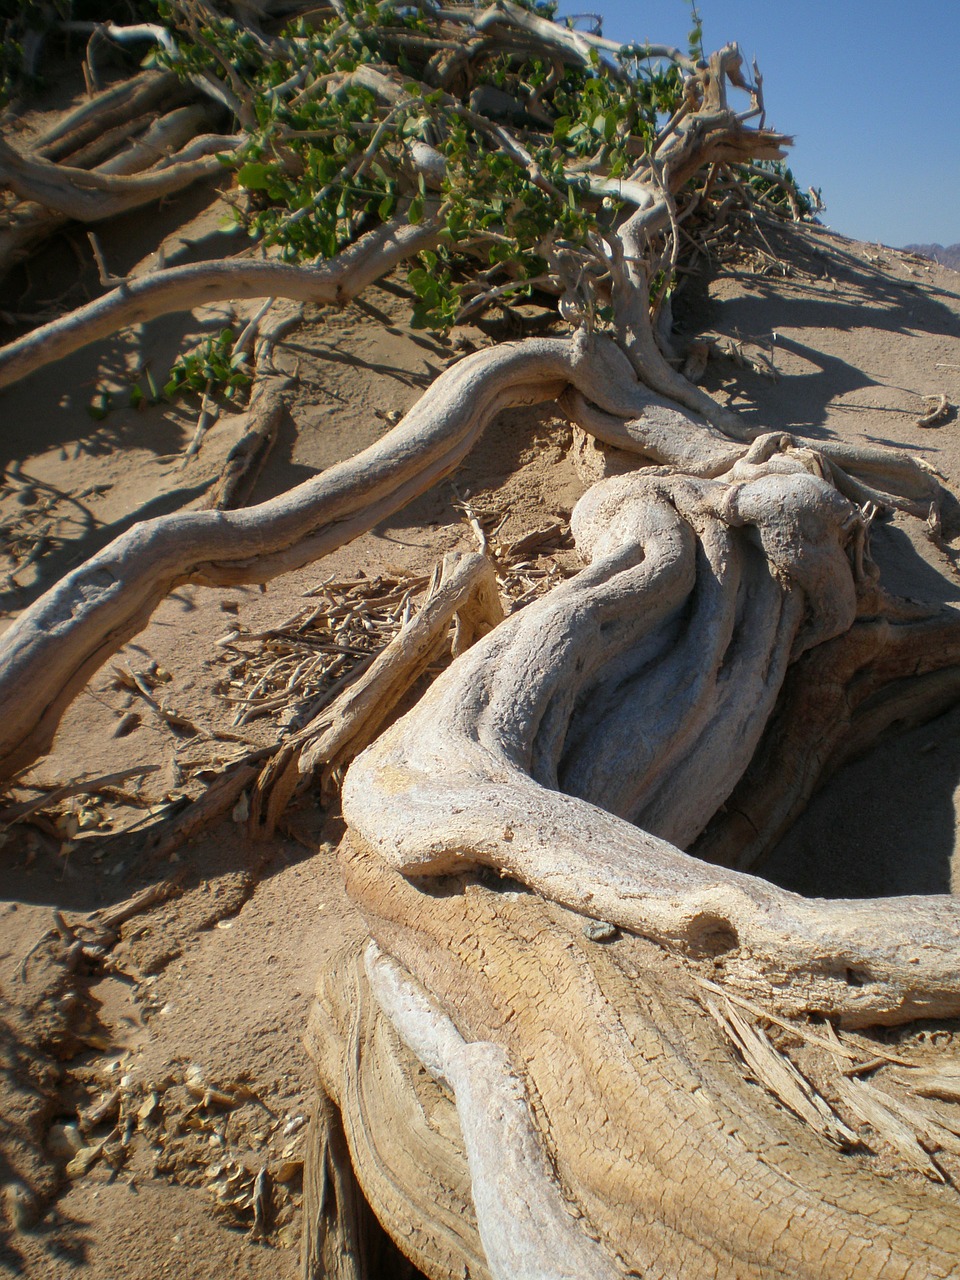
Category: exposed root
[641,688]
[659,1141]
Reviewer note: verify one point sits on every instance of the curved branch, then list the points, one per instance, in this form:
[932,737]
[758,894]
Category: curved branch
[56,644]
[29,223]
[90,195]
[114,106]
[182,288]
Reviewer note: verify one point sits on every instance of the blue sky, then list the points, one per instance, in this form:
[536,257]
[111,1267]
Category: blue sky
[868,90]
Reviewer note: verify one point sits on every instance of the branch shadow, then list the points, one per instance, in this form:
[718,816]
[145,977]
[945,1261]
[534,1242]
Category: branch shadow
[863,297]
[66,556]
[883,825]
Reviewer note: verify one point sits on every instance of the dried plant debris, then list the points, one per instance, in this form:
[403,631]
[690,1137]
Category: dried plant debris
[218,1135]
[290,672]
[893,1123]
[941,1081]
[775,1071]
[293,670]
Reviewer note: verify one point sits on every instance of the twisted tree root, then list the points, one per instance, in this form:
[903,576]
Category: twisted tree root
[53,648]
[641,688]
[663,1149]
[56,644]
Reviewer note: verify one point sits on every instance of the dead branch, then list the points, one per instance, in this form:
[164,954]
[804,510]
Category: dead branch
[463,587]
[181,288]
[90,195]
[114,107]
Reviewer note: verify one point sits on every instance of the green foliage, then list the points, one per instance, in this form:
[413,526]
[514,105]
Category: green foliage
[780,190]
[695,36]
[100,406]
[319,168]
[140,397]
[438,296]
[325,158]
[214,367]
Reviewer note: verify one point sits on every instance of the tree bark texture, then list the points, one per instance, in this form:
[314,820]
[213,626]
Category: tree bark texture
[575,986]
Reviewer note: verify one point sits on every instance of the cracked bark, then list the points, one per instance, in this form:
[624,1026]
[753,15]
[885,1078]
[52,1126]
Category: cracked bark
[551,778]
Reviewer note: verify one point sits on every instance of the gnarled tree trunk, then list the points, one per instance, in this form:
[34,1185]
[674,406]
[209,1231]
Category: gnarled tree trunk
[575,984]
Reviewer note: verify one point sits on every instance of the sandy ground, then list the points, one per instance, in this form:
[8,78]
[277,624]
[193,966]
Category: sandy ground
[187,1032]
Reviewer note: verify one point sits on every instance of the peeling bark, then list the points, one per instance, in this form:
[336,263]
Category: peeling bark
[677,1163]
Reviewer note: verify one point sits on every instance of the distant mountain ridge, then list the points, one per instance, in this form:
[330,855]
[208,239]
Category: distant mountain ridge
[947,255]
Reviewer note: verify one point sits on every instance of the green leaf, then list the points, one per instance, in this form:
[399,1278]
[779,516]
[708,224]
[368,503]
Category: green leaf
[415,212]
[253,176]
[100,406]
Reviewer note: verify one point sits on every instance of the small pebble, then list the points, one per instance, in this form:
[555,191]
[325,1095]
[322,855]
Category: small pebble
[599,931]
